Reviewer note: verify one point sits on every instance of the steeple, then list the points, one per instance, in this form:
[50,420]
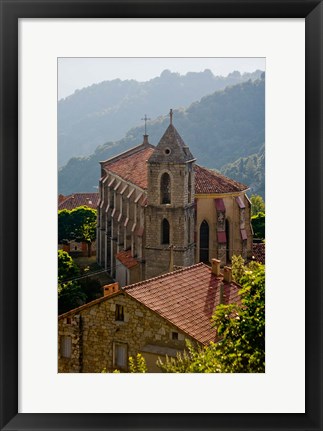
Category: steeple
[170,213]
[171,147]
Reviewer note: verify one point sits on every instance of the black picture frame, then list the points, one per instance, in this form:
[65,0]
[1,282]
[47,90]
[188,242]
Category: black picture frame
[11,11]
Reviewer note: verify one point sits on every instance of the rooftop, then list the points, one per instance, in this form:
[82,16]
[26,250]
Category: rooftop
[186,298]
[126,259]
[132,167]
[78,199]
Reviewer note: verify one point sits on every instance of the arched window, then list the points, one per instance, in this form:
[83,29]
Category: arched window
[165,189]
[189,198]
[204,241]
[165,232]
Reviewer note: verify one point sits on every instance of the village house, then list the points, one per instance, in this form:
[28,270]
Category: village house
[152,317]
[158,208]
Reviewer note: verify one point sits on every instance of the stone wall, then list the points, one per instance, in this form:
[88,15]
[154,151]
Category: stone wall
[95,332]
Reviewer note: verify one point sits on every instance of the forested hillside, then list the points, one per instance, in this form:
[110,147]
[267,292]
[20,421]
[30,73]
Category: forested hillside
[219,129]
[249,170]
[106,111]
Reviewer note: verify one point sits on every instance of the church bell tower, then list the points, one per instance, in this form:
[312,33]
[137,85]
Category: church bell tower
[169,215]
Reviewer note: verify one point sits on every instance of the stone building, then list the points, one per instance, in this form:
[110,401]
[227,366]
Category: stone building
[152,317]
[158,207]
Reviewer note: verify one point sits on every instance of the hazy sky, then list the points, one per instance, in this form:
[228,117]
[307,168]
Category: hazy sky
[77,73]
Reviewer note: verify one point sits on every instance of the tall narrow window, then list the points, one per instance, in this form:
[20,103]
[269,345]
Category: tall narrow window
[165,232]
[165,189]
[119,314]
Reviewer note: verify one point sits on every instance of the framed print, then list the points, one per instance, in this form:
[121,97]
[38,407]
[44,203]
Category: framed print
[289,394]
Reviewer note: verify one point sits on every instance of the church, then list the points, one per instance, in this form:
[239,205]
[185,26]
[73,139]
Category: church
[158,211]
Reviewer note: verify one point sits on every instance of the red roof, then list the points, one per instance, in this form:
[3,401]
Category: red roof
[132,167]
[186,298]
[208,181]
[126,259]
[78,199]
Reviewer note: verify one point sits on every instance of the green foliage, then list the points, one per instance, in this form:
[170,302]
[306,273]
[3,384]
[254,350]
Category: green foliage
[241,329]
[83,224]
[70,294]
[137,364]
[66,267]
[91,287]
[78,224]
[64,226]
[249,170]
[258,225]
[238,268]
[257,204]
[193,360]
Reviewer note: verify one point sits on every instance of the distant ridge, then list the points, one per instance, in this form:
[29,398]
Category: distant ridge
[106,111]
[219,129]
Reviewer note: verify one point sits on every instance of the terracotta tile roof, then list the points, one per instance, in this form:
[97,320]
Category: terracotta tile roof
[79,199]
[207,181]
[186,298]
[258,251]
[131,165]
[126,259]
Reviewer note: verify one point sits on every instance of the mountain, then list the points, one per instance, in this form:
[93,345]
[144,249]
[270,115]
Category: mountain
[106,111]
[219,129]
[249,170]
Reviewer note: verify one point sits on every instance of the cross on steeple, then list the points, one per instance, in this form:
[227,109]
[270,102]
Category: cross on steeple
[145,119]
[171,116]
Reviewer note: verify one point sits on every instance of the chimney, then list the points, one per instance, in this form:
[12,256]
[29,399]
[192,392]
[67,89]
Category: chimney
[216,267]
[227,274]
[109,289]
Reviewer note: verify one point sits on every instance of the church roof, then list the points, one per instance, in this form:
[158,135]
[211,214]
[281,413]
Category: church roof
[171,148]
[78,199]
[132,167]
[208,182]
[186,298]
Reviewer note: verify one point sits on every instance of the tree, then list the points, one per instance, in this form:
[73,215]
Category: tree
[64,226]
[70,294]
[258,225]
[241,328]
[78,224]
[257,204]
[67,269]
